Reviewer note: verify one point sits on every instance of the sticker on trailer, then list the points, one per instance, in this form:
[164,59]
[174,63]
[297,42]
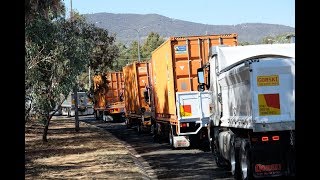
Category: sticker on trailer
[180,49]
[269,104]
[185,110]
[272,80]
[142,69]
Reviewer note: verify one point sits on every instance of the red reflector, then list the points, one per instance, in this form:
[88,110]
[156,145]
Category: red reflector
[183,125]
[265,138]
[275,138]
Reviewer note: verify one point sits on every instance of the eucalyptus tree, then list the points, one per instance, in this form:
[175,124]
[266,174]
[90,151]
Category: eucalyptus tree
[152,42]
[57,51]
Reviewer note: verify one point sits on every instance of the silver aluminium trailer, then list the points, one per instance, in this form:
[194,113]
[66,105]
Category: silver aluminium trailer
[252,127]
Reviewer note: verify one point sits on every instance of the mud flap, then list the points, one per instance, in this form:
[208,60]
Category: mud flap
[181,141]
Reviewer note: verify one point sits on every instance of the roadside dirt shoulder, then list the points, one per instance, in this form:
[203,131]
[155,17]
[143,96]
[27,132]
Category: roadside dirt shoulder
[89,154]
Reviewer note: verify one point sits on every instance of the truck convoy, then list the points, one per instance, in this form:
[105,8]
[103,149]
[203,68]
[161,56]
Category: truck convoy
[238,99]
[108,96]
[136,83]
[85,106]
[177,113]
[252,110]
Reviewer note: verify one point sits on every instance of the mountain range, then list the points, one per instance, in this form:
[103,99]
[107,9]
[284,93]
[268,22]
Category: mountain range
[128,27]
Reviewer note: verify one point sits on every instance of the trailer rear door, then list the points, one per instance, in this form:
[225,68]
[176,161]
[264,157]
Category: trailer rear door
[273,85]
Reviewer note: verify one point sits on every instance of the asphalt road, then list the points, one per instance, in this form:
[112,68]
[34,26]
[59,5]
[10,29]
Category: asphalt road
[158,160]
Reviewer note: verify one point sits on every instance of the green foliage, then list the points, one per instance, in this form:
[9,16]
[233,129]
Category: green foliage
[133,50]
[124,57]
[129,54]
[46,9]
[57,52]
[153,41]
[104,50]
[244,43]
[281,38]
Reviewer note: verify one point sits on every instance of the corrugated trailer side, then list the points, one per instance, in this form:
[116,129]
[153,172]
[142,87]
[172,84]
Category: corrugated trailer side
[130,88]
[174,67]
[136,82]
[115,105]
[115,86]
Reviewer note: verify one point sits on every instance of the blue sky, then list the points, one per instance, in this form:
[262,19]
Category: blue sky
[213,12]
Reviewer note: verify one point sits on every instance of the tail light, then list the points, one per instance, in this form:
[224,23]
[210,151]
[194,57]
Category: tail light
[183,125]
[276,138]
[265,138]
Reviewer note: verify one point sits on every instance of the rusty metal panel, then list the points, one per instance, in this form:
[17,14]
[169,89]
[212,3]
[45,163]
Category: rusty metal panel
[174,67]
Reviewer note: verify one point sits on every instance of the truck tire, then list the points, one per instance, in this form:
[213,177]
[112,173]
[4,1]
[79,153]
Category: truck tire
[127,122]
[69,113]
[220,162]
[154,132]
[234,160]
[95,114]
[244,158]
[171,134]
[210,137]
[139,128]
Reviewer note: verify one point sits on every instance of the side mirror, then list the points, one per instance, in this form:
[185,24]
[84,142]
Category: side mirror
[200,73]
[201,83]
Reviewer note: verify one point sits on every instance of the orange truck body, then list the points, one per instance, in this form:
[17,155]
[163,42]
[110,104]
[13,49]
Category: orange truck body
[136,80]
[174,66]
[108,90]
[115,93]
[116,87]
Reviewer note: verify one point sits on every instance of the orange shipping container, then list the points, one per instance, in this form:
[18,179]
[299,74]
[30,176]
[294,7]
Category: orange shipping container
[116,87]
[135,83]
[174,68]
[108,90]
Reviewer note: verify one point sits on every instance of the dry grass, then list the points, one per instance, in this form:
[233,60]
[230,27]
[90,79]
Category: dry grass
[90,154]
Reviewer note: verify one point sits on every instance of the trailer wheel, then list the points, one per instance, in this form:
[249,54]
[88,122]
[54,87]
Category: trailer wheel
[217,156]
[171,134]
[139,129]
[234,160]
[210,136]
[69,113]
[154,131]
[127,122]
[245,166]
[95,114]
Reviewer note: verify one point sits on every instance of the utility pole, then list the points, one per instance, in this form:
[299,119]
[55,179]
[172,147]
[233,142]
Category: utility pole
[75,89]
[138,31]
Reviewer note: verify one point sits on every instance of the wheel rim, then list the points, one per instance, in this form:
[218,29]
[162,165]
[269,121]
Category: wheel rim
[244,165]
[210,140]
[233,160]
[170,138]
[127,122]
